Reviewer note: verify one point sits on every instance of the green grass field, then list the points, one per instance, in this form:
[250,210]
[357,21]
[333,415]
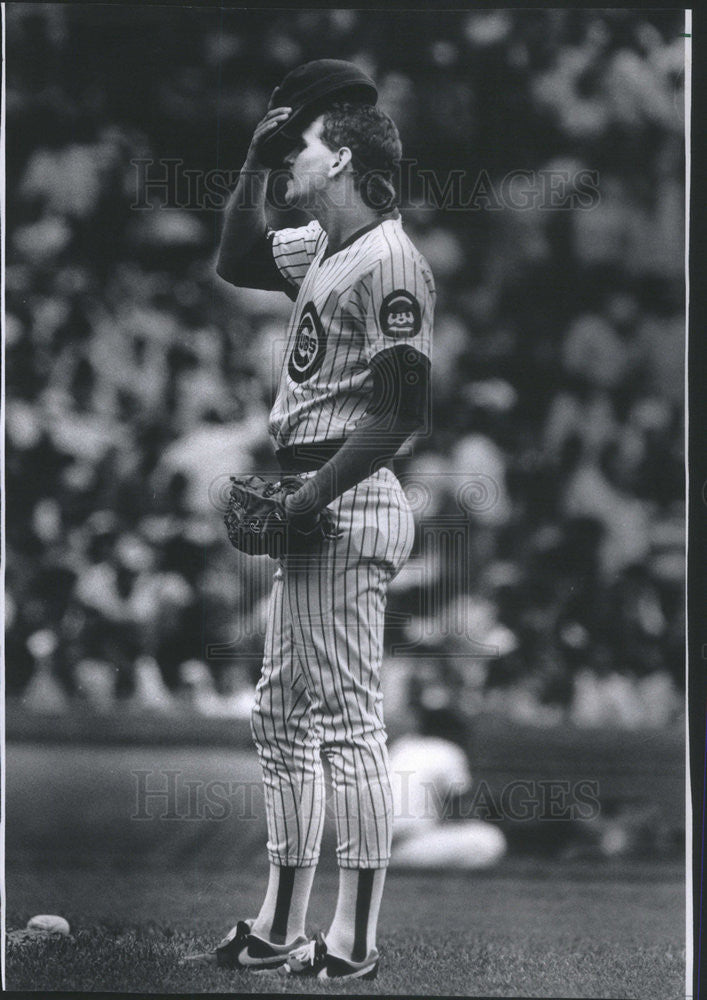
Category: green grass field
[578,933]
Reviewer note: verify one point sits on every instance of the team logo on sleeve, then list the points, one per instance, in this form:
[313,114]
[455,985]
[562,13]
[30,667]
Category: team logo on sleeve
[400,316]
[310,346]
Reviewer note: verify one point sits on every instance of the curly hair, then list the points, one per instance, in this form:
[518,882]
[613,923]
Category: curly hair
[376,150]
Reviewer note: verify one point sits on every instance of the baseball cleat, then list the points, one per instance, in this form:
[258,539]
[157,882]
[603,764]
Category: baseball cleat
[313,960]
[242,950]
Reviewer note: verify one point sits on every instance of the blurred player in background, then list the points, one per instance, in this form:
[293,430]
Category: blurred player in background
[430,770]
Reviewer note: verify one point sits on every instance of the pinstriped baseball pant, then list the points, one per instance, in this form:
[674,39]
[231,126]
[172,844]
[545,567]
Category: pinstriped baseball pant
[319,692]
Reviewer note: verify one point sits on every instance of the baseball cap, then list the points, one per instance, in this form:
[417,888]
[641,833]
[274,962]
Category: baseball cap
[309,89]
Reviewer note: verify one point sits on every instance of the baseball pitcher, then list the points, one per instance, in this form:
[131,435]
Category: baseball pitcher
[353,386]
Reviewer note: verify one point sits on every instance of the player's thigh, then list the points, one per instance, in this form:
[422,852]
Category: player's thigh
[376,523]
[282,701]
[337,598]
[376,534]
[338,635]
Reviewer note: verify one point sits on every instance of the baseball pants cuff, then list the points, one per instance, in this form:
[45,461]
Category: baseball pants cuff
[359,863]
[286,862]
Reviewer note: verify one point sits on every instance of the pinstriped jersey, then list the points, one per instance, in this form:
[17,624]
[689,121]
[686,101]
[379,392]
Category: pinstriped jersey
[376,291]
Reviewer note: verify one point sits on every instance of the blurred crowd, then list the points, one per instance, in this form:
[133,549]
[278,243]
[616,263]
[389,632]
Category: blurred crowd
[547,578]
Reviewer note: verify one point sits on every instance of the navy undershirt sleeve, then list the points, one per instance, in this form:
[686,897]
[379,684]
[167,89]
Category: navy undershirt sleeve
[401,383]
[257,269]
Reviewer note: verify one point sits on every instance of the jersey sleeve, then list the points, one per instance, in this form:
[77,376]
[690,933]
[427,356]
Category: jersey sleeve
[294,250]
[395,302]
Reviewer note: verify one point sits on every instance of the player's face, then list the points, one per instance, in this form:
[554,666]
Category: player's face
[309,164]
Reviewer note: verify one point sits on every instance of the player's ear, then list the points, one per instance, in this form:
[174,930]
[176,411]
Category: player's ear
[342,158]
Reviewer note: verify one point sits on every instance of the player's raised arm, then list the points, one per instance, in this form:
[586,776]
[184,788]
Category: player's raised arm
[245,254]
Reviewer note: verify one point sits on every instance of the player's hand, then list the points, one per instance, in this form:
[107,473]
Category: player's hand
[264,128]
[259,522]
[301,509]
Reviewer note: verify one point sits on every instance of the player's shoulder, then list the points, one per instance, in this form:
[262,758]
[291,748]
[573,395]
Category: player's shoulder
[393,252]
[312,232]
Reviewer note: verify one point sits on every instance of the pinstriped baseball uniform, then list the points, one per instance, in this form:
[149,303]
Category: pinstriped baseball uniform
[320,692]
[346,312]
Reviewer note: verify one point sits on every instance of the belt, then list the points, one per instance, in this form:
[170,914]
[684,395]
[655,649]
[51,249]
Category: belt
[311,456]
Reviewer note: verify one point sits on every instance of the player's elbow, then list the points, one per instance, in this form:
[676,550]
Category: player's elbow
[404,425]
[389,427]
[411,423]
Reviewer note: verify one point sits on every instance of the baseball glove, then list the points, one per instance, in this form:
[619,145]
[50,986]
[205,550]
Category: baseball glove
[258,523]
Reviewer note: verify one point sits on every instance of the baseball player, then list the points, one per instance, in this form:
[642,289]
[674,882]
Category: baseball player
[353,387]
[430,768]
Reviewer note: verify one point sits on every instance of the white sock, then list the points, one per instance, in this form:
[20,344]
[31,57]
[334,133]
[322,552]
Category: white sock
[352,934]
[284,910]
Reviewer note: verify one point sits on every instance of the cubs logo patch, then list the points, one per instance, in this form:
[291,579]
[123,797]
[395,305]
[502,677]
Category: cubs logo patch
[309,347]
[400,315]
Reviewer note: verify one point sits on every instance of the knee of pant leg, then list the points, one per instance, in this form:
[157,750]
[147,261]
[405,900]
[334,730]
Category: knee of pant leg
[367,730]
[259,720]
[367,743]
[272,745]
[270,753]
